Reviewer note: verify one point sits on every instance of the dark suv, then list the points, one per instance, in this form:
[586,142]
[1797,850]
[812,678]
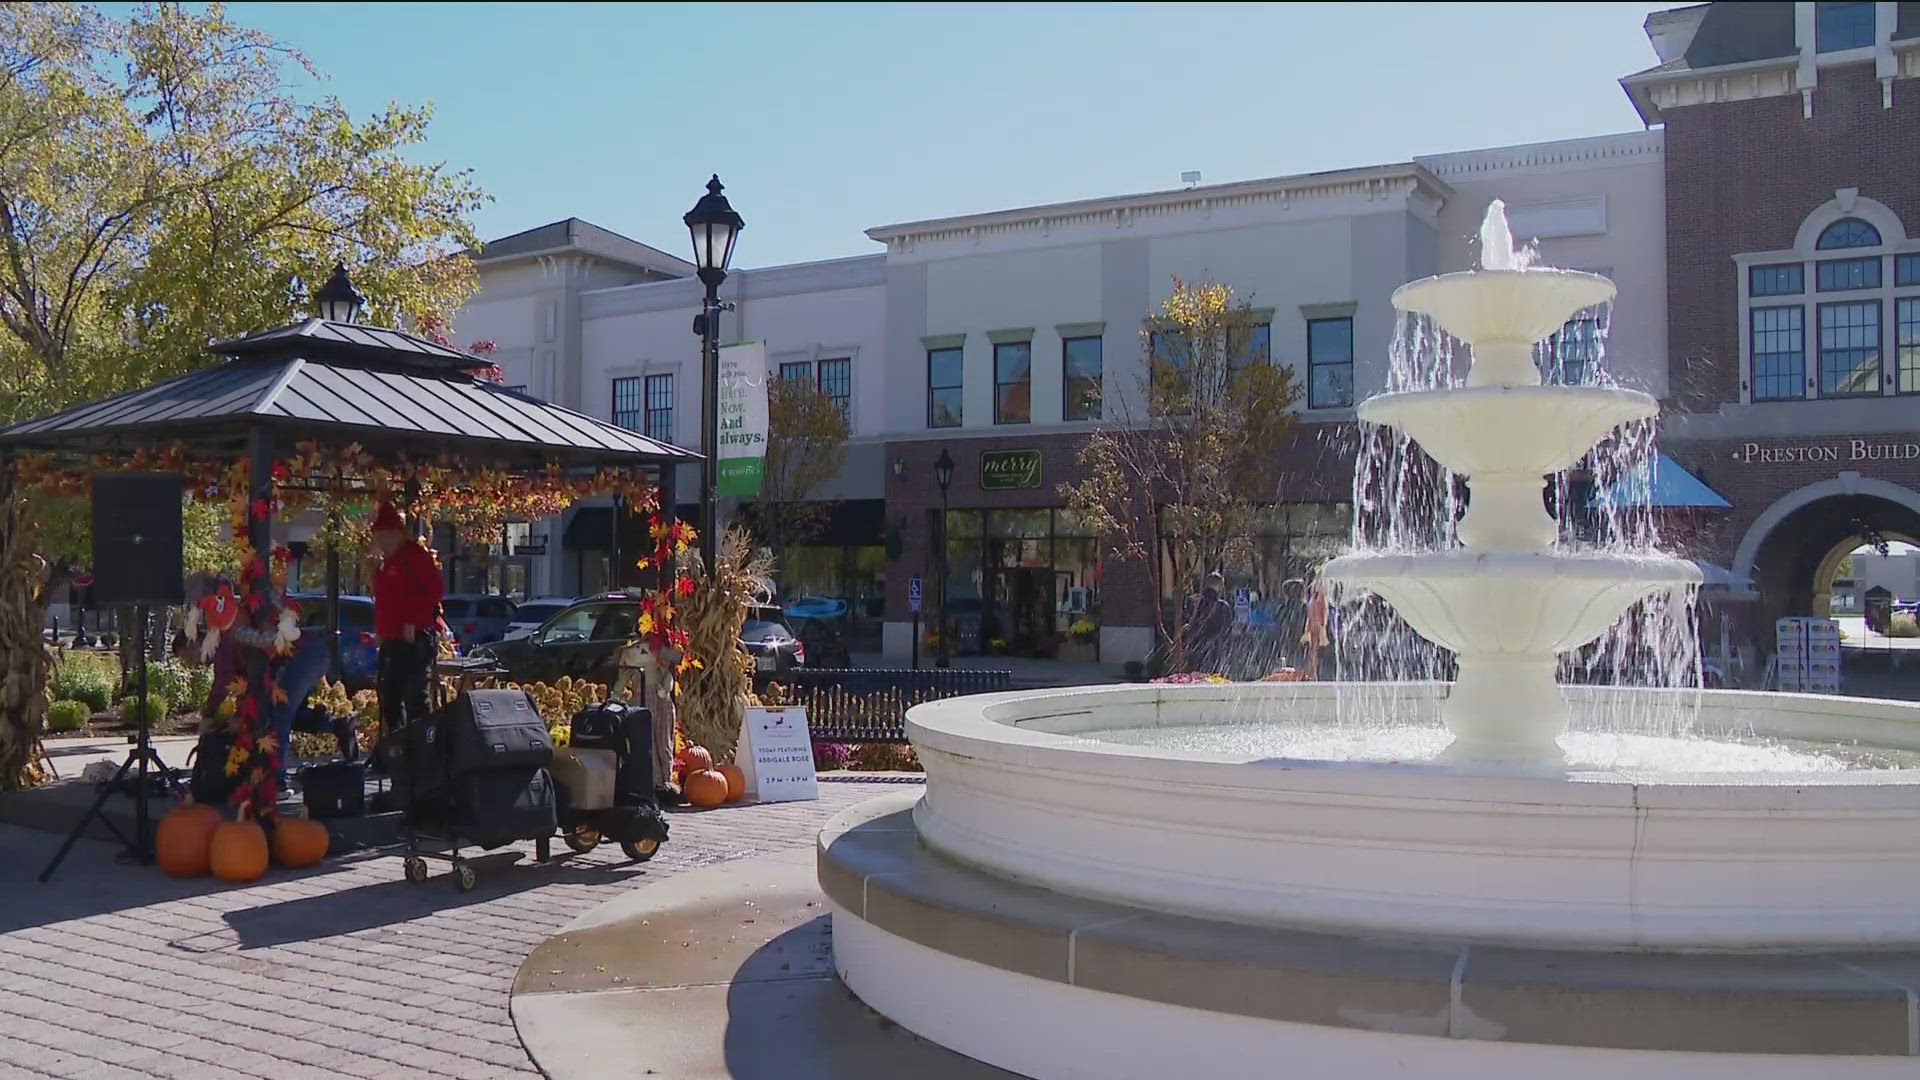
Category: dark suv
[584,641]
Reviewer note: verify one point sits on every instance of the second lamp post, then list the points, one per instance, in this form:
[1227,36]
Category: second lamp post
[715,227]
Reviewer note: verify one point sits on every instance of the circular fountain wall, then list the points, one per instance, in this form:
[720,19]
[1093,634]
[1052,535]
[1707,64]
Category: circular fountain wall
[1580,856]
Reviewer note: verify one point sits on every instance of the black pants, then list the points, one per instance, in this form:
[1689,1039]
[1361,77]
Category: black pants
[406,671]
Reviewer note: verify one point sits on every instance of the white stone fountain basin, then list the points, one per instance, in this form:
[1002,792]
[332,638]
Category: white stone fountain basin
[1543,429]
[1511,602]
[1603,860]
[1503,313]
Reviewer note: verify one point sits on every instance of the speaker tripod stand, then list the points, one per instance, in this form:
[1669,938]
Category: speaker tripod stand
[139,847]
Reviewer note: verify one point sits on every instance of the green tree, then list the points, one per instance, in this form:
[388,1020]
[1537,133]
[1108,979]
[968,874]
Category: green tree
[165,180]
[1181,470]
[163,184]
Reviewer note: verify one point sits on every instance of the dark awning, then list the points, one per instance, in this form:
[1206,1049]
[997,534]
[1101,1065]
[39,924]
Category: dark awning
[591,527]
[851,523]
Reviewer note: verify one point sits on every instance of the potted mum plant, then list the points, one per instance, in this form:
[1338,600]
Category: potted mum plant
[1080,646]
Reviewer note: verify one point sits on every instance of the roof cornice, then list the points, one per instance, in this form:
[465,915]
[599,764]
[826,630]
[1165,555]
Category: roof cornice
[1282,189]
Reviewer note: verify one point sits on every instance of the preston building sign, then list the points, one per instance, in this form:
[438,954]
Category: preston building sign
[1845,451]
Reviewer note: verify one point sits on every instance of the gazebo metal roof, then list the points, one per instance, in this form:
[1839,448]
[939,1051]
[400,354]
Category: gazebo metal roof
[338,382]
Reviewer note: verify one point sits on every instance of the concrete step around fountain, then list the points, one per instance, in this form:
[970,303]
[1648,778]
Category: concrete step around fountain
[873,867]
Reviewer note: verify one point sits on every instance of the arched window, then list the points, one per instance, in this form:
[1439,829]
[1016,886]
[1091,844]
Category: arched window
[1848,232]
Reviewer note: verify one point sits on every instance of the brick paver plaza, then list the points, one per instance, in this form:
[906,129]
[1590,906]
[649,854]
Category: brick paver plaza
[346,970]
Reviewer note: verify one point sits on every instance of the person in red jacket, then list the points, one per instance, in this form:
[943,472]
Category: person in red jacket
[406,615]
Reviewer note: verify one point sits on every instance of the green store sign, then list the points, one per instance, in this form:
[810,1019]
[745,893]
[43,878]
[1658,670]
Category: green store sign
[1009,470]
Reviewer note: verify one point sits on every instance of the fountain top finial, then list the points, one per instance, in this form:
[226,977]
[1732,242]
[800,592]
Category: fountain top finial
[1497,251]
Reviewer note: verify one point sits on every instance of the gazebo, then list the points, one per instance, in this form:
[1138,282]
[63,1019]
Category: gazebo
[311,415]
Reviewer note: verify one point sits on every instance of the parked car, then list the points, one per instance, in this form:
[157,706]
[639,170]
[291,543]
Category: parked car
[359,654]
[825,645]
[528,616]
[476,618]
[774,645]
[584,640]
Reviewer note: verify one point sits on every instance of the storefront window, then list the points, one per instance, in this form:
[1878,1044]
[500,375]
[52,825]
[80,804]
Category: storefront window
[1292,542]
[1019,582]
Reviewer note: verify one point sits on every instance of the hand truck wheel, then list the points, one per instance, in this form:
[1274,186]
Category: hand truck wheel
[640,850]
[465,876]
[582,839]
[416,869]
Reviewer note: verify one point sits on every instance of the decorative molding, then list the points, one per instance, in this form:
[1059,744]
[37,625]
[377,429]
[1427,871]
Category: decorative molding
[1341,309]
[1079,329]
[1560,155]
[1571,215]
[1128,211]
[1014,336]
[943,341]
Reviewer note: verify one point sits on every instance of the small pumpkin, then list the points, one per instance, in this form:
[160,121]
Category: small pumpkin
[694,759]
[185,839]
[705,788]
[299,842]
[736,781]
[239,851]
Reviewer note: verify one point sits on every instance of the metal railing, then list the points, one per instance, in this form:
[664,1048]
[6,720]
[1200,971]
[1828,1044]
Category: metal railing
[869,705]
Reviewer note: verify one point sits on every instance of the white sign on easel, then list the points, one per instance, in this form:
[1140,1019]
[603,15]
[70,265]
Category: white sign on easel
[776,754]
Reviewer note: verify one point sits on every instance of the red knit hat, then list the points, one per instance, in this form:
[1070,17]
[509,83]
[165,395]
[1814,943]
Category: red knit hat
[387,519]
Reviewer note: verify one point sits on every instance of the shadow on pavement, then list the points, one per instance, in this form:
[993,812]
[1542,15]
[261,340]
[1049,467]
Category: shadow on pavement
[385,903]
[789,1017]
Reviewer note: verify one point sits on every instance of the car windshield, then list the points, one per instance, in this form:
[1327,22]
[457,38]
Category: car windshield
[760,629]
[575,624]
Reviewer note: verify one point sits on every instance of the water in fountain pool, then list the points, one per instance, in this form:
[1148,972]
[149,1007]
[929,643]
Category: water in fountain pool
[1586,750]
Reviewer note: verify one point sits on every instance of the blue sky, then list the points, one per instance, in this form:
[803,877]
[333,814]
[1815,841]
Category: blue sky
[824,120]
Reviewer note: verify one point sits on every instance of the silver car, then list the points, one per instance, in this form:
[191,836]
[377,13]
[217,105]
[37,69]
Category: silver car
[476,618]
[533,614]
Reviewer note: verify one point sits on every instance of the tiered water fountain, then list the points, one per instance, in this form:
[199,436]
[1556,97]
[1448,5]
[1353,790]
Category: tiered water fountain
[1133,881]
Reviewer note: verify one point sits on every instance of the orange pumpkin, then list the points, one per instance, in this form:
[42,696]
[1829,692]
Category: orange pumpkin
[736,781]
[694,759]
[182,845]
[299,842]
[239,851]
[705,788]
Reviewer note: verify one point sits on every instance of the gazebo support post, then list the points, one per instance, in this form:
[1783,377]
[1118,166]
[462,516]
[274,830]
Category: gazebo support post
[333,595]
[260,535]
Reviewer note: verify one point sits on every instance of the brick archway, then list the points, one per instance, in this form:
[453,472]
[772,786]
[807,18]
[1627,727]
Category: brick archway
[1783,550]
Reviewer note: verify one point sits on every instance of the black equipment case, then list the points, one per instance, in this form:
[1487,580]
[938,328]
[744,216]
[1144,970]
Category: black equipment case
[476,770]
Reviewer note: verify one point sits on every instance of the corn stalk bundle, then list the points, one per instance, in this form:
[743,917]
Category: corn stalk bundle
[24,664]
[715,693]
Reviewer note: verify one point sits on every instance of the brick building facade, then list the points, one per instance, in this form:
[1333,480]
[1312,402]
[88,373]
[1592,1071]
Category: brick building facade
[1793,289]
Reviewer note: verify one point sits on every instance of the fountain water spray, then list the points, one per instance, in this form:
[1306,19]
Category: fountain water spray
[1508,600]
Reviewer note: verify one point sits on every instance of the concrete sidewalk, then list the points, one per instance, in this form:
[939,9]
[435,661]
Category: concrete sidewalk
[724,973]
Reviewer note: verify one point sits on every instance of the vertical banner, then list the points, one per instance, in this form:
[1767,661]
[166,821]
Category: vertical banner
[743,418]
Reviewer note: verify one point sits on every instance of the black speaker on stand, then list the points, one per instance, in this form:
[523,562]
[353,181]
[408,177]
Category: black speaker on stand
[137,544]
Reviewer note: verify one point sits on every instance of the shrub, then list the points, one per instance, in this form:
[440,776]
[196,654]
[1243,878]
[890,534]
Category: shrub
[68,715]
[166,685]
[877,757]
[84,677]
[199,685]
[156,709]
[828,756]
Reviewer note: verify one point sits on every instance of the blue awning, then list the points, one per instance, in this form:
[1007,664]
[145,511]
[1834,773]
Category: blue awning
[1672,486]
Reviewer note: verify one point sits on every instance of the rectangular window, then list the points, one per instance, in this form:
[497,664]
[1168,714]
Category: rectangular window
[798,370]
[1780,279]
[1778,343]
[1249,345]
[1842,26]
[626,403]
[1013,382]
[1907,320]
[1906,270]
[1329,363]
[1850,349]
[1572,356]
[836,382]
[518,388]
[1080,359]
[944,382]
[1836,275]
[660,408]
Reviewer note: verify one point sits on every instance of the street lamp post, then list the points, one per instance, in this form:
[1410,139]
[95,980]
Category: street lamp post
[943,476]
[714,227]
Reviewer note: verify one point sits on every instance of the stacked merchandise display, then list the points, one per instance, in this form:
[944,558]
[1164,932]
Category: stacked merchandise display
[1807,655]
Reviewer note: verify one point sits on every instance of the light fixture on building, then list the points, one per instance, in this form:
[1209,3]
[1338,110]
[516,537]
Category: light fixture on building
[899,468]
[943,470]
[339,301]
